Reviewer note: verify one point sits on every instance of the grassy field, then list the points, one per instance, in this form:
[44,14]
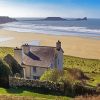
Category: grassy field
[91,67]
[30,94]
[5,50]
[86,65]
[95,79]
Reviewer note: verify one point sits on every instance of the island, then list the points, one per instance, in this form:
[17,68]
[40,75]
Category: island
[54,19]
[85,18]
[63,19]
[6,19]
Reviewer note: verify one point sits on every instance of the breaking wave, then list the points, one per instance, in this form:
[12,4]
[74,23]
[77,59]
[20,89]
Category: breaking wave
[52,29]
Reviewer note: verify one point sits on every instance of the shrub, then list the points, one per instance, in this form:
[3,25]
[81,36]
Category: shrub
[14,65]
[51,75]
[4,69]
[4,74]
[74,80]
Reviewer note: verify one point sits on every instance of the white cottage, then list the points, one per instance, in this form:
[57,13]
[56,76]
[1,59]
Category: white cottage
[37,59]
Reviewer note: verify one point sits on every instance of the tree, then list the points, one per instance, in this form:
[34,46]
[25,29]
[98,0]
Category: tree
[4,74]
[14,65]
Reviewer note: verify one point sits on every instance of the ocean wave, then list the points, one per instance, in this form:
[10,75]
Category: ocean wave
[53,30]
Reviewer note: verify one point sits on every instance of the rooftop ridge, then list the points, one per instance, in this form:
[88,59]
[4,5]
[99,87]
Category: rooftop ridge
[16,48]
[39,46]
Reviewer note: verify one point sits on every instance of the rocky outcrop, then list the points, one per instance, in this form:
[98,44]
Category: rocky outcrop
[4,19]
[62,19]
[54,19]
[78,19]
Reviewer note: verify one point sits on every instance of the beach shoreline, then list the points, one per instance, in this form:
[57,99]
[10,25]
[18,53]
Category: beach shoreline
[74,46]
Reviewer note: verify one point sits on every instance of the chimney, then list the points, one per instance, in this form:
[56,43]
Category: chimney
[18,55]
[26,48]
[58,45]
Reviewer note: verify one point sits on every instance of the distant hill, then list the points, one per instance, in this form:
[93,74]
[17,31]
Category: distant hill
[4,19]
[54,19]
[85,18]
[62,19]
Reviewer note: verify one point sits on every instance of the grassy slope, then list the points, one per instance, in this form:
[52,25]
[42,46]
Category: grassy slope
[25,92]
[5,50]
[90,66]
[86,65]
[95,79]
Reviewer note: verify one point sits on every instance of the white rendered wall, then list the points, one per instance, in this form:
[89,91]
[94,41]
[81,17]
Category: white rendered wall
[59,60]
[18,56]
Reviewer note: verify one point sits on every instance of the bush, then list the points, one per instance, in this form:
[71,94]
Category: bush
[51,75]
[77,73]
[4,74]
[71,74]
[74,80]
[14,65]
[4,69]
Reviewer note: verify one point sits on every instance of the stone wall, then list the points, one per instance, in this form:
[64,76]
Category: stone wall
[19,82]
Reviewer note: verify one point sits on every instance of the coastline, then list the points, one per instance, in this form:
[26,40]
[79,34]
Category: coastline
[74,46]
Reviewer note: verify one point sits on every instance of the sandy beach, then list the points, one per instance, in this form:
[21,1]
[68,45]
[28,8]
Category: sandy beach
[74,46]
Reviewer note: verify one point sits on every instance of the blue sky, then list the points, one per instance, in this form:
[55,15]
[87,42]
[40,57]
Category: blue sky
[45,8]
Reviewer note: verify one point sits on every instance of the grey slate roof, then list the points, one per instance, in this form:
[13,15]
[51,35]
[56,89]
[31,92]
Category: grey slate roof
[41,56]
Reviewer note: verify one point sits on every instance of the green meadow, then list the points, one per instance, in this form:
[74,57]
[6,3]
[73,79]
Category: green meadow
[86,65]
[29,94]
[91,67]
[6,50]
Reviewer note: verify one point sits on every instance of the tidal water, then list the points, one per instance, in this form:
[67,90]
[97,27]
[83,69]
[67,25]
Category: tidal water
[84,28]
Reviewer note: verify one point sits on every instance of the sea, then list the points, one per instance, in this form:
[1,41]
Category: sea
[89,28]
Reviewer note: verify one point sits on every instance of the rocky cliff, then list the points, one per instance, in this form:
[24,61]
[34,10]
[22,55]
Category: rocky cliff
[4,19]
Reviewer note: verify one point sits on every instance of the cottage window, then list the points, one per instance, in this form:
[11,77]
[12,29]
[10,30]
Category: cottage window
[34,69]
[36,77]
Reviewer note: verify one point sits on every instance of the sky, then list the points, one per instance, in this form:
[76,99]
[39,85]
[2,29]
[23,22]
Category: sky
[48,8]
